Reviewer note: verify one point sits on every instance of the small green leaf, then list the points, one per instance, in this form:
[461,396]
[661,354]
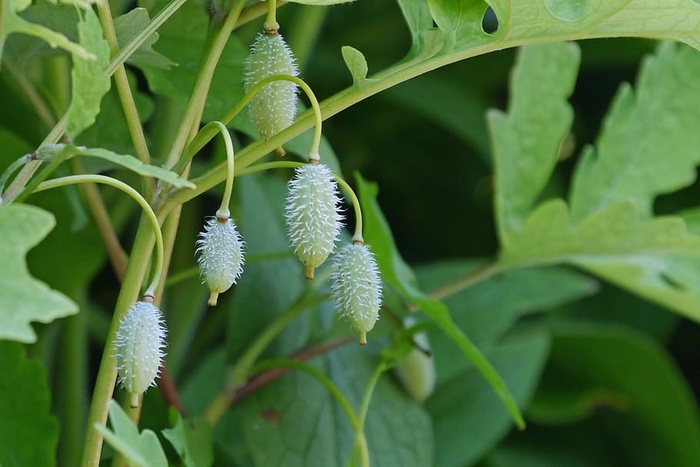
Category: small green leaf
[135,165]
[460,20]
[356,63]
[649,143]
[24,299]
[127,27]
[89,81]
[191,439]
[596,371]
[397,273]
[139,449]
[469,423]
[28,431]
[526,140]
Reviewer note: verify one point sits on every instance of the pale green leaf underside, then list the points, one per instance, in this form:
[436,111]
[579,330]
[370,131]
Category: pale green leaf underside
[657,259]
[139,449]
[89,81]
[23,298]
[650,140]
[526,140]
[135,165]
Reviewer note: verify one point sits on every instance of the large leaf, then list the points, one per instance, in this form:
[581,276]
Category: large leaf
[295,422]
[28,431]
[600,367]
[649,143]
[657,259]
[25,299]
[89,80]
[469,423]
[397,273]
[526,140]
[485,313]
[139,449]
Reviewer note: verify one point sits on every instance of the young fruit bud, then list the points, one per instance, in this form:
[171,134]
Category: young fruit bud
[220,251]
[272,109]
[311,211]
[138,347]
[417,370]
[357,287]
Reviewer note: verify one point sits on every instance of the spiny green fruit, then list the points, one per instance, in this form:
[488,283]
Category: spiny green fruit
[356,287]
[417,371]
[273,108]
[220,251]
[139,348]
[311,211]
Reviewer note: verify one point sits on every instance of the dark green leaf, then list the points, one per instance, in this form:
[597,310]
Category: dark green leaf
[28,432]
[607,372]
[468,423]
[127,27]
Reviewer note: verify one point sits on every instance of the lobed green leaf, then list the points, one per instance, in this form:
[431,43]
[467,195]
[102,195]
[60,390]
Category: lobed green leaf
[24,299]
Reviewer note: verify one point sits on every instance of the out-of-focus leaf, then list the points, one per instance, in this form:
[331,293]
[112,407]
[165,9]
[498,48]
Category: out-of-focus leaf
[321,2]
[648,145]
[468,423]
[488,309]
[191,439]
[527,138]
[28,431]
[397,273]
[139,449]
[127,27]
[24,299]
[89,81]
[630,385]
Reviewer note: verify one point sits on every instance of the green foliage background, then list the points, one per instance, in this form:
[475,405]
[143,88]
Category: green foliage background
[577,197]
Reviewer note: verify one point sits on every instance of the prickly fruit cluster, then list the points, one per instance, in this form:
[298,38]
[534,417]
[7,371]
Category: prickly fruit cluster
[272,109]
[220,251]
[356,287]
[311,211]
[139,348]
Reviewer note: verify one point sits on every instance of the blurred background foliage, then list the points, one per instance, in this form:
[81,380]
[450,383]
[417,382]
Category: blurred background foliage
[605,378]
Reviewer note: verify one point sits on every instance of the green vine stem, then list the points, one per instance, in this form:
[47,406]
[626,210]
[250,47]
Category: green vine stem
[136,196]
[207,133]
[271,26]
[357,237]
[360,439]
[355,422]
[14,167]
[239,374]
[133,121]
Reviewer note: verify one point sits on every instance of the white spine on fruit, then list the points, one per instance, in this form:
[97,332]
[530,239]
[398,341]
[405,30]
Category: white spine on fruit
[139,347]
[220,256]
[273,107]
[312,214]
[357,288]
